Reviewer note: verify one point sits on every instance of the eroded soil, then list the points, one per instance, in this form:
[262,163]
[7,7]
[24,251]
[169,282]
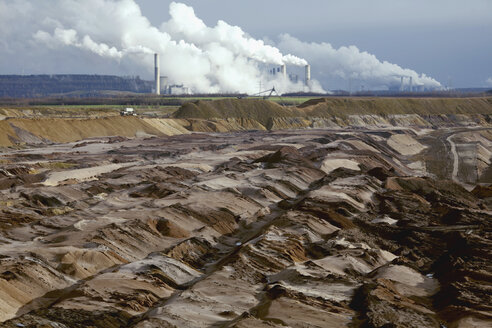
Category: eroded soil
[312,228]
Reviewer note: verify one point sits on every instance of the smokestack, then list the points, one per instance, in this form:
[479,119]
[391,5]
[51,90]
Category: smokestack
[157,75]
[284,71]
[308,75]
[411,84]
[401,84]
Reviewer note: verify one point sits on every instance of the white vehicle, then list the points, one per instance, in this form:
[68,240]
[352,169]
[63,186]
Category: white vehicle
[128,112]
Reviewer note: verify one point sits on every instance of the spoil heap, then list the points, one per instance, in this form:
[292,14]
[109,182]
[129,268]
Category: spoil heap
[227,115]
[252,229]
[258,110]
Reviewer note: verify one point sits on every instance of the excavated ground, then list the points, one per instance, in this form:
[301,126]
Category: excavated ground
[314,228]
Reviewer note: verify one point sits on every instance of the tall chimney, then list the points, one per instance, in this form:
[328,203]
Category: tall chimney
[157,75]
[401,84]
[308,75]
[411,84]
[284,71]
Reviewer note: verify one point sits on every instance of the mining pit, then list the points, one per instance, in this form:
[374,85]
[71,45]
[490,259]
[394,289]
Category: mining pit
[258,220]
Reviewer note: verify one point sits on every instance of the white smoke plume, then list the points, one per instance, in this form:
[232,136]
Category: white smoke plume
[112,36]
[352,65]
[70,38]
[185,25]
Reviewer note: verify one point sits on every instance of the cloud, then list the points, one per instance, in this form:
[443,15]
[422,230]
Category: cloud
[112,36]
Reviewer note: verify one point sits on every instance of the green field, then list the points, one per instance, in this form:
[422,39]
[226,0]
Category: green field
[83,110]
[248,107]
[96,107]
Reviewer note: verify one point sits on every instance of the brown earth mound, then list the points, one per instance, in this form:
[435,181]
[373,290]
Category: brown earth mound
[258,110]
[482,191]
[225,115]
[319,228]
[379,106]
[263,110]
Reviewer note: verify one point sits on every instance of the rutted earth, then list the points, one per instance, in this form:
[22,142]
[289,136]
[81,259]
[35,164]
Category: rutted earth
[309,228]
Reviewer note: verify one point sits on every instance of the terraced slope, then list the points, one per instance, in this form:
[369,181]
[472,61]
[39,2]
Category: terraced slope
[324,228]
[227,115]
[387,106]
[263,110]
[346,112]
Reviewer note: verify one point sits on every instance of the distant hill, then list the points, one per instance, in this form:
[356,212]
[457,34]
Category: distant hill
[30,86]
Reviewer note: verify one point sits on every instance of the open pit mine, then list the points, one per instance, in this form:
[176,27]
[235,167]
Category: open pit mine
[340,212]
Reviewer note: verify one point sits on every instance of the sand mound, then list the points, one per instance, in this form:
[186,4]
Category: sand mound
[84,263]
[46,130]
[169,228]
[408,281]
[60,130]
[405,144]
[81,174]
[336,112]
[482,191]
[280,123]
[166,126]
[225,115]
[286,155]
[258,110]
[326,107]
[331,164]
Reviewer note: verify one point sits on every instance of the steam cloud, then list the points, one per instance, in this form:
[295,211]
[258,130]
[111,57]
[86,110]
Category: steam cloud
[112,36]
[351,64]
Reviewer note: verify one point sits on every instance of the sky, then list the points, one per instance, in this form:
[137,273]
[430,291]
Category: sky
[450,40]
[231,45]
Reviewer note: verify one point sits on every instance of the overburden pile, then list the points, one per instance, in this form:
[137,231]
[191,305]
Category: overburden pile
[25,126]
[253,229]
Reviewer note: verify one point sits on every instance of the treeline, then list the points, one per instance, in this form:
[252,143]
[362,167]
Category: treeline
[455,93]
[124,100]
[33,86]
[96,100]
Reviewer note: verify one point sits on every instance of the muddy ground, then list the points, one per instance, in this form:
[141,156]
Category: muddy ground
[307,228]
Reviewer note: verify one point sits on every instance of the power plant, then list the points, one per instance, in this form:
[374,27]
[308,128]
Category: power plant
[162,85]
[402,83]
[294,78]
[283,70]
[307,80]
[157,76]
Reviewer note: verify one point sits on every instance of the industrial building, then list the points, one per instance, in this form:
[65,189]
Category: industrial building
[157,75]
[294,78]
[162,85]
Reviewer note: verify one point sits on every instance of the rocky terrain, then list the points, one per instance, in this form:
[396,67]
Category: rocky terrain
[372,221]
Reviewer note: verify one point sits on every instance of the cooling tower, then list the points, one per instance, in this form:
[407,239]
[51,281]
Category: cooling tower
[308,75]
[283,68]
[157,75]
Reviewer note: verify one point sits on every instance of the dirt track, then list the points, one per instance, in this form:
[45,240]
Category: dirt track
[454,175]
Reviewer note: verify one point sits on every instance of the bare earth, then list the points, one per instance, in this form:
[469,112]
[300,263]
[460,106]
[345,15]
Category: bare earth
[307,228]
